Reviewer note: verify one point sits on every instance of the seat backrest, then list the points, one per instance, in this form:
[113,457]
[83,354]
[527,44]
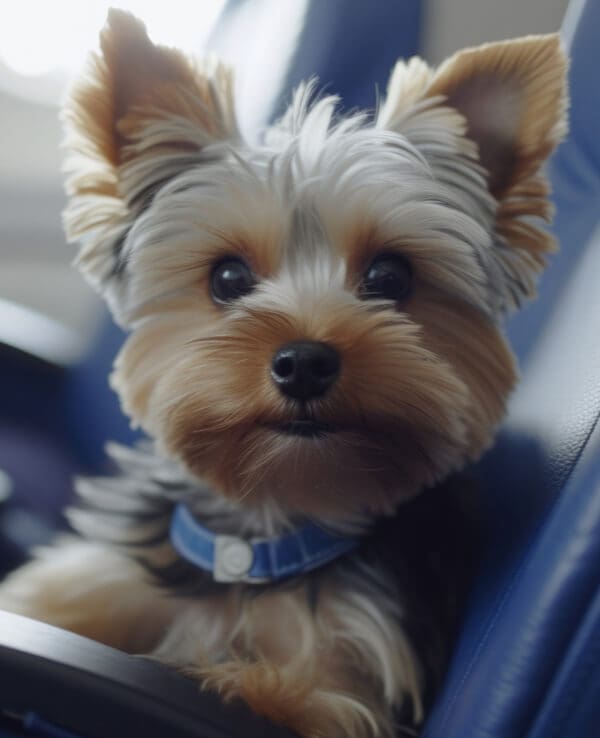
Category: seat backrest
[351,46]
[527,663]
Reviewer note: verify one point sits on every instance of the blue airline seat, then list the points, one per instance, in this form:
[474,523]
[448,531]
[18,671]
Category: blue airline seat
[526,663]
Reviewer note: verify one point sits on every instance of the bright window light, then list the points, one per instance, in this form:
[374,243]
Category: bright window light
[50,39]
[259,42]
[44,44]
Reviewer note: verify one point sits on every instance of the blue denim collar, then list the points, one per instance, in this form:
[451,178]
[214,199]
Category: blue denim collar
[258,560]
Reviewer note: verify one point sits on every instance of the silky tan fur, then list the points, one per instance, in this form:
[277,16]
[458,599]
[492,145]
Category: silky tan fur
[161,187]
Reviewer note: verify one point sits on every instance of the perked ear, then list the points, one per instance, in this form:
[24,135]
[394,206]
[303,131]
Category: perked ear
[511,100]
[141,115]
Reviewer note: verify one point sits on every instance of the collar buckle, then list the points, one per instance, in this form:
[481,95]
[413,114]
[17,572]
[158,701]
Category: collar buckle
[257,561]
[233,559]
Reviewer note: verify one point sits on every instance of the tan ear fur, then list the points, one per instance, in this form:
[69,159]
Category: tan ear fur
[511,101]
[140,115]
[513,96]
[134,79]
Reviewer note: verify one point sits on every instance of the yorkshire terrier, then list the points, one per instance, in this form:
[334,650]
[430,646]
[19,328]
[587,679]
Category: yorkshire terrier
[316,338]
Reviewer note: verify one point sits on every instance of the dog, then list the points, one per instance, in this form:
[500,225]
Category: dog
[316,339]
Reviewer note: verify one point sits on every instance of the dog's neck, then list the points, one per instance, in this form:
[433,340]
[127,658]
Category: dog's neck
[134,509]
[254,560]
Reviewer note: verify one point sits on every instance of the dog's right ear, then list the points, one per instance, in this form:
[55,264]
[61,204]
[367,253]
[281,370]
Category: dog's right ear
[502,104]
[140,115]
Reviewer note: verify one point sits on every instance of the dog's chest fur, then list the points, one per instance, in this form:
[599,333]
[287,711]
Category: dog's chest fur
[415,565]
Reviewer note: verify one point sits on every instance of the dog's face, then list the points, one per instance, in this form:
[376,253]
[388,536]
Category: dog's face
[315,321]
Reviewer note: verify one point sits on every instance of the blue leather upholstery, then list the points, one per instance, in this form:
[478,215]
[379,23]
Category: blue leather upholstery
[527,664]
[351,46]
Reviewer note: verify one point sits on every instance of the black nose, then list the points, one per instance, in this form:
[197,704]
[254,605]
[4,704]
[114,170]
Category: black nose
[305,369]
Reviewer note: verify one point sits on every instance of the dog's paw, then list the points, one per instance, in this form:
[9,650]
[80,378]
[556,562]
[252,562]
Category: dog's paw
[310,708]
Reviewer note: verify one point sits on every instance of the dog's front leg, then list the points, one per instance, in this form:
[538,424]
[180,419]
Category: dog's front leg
[91,590]
[336,668]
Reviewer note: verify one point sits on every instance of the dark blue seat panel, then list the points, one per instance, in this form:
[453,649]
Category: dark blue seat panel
[571,704]
[533,590]
[351,46]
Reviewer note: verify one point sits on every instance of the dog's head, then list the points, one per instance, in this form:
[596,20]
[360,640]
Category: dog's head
[316,320]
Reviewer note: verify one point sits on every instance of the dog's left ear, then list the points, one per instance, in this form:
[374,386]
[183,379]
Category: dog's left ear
[141,115]
[510,97]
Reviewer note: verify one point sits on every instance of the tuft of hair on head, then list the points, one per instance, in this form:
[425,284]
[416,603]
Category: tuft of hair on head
[141,114]
[505,104]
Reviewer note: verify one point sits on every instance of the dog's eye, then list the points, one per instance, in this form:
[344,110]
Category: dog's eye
[389,277]
[230,279]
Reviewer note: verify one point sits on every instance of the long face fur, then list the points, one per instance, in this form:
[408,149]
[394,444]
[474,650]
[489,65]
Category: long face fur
[447,176]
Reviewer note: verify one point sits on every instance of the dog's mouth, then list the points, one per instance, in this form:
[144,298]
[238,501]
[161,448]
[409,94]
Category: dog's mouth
[305,428]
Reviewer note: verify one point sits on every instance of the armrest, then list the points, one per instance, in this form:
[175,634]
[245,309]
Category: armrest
[53,678]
